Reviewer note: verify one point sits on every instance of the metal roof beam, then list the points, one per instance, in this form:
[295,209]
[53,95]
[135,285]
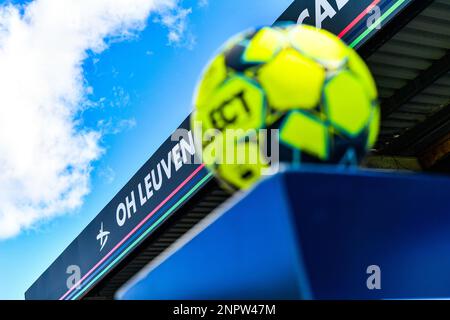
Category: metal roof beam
[417,139]
[414,87]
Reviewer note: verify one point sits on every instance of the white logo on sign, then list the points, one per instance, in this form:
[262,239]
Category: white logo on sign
[73,280]
[102,237]
[374,280]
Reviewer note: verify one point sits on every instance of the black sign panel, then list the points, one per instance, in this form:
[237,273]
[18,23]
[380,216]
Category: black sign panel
[353,20]
[166,181]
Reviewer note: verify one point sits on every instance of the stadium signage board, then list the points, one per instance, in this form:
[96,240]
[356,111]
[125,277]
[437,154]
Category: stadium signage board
[353,20]
[168,179]
[162,185]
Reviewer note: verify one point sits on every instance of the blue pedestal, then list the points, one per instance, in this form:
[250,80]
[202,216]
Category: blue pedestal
[312,235]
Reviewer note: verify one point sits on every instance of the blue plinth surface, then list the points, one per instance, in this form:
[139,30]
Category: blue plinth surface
[314,234]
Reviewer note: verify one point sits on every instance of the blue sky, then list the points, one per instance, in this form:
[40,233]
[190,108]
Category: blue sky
[138,91]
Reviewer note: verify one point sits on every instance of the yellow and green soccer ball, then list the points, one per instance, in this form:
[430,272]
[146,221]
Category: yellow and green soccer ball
[303,81]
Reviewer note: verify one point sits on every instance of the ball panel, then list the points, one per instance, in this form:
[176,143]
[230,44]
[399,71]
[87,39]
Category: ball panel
[292,81]
[342,93]
[305,133]
[249,169]
[264,46]
[237,160]
[212,152]
[320,46]
[237,104]
[234,58]
[374,126]
[216,73]
[273,116]
[362,72]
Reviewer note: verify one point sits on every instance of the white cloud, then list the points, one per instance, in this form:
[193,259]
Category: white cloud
[176,22]
[113,126]
[107,174]
[46,156]
[203,3]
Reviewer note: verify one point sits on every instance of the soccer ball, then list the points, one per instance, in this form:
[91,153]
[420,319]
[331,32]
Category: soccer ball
[304,82]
